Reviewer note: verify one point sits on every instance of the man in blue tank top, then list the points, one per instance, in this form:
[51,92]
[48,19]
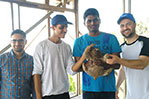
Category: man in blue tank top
[103,87]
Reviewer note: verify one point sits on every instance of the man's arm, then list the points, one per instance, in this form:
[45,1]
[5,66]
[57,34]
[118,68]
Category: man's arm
[140,63]
[77,66]
[78,61]
[120,79]
[32,87]
[37,84]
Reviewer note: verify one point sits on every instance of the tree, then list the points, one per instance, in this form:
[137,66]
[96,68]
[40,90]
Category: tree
[142,29]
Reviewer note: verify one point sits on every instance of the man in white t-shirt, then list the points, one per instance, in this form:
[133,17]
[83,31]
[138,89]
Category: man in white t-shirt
[52,61]
[134,60]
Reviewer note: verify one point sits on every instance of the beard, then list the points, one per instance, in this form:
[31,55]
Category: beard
[130,35]
[95,31]
[18,50]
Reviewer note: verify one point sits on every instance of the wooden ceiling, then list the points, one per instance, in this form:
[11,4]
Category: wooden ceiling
[50,5]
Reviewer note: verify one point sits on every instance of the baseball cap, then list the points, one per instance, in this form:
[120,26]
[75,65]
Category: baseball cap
[126,16]
[90,11]
[59,19]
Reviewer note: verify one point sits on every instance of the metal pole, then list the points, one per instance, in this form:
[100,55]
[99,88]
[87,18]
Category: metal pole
[12,15]
[129,6]
[123,6]
[19,22]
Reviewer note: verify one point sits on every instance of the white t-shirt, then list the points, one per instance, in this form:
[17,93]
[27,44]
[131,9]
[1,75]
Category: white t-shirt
[53,61]
[137,80]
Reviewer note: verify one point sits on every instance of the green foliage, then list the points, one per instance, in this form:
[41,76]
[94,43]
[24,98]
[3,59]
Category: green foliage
[72,84]
[142,28]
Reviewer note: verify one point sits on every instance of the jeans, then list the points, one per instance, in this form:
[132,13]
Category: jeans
[60,96]
[98,95]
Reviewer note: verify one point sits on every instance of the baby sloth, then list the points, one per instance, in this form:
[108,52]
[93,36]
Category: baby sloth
[96,65]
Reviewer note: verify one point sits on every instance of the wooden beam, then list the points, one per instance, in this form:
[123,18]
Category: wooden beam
[29,30]
[39,6]
[75,4]
[64,3]
[48,21]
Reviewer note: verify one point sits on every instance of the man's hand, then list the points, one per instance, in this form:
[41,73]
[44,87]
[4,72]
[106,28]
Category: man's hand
[116,95]
[113,59]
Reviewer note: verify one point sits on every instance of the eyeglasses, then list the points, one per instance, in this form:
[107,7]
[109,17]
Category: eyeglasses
[19,41]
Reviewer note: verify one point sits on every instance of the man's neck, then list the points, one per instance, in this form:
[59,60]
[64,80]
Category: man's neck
[18,54]
[132,39]
[55,40]
[93,34]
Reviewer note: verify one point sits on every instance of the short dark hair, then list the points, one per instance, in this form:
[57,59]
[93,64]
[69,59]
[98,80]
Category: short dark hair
[18,31]
[90,11]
